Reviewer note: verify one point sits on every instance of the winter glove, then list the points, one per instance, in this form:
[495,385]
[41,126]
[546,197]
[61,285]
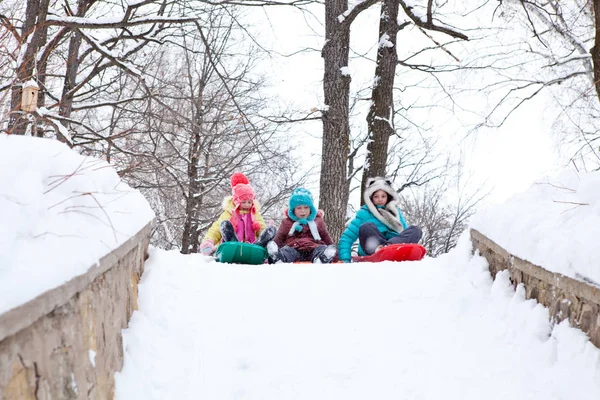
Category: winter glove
[256,226]
[207,247]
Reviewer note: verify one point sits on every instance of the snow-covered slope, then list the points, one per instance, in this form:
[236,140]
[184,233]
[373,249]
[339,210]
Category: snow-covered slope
[433,329]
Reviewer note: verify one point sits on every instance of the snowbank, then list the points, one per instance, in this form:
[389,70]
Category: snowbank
[60,213]
[433,329]
[554,224]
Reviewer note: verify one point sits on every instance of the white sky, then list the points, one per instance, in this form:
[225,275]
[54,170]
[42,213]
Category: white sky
[512,157]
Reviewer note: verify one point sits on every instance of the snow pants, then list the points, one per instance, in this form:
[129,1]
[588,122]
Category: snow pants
[370,238]
[228,234]
[288,254]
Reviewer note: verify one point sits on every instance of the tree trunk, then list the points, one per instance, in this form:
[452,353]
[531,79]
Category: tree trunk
[595,51]
[66,99]
[34,28]
[380,116]
[336,133]
[189,241]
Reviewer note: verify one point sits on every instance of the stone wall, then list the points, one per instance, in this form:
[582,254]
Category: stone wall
[565,297]
[66,343]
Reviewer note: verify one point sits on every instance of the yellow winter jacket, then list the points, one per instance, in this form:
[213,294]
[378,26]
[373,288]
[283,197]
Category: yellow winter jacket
[214,232]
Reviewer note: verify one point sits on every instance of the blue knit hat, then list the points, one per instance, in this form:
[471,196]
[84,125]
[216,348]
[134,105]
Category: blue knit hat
[302,197]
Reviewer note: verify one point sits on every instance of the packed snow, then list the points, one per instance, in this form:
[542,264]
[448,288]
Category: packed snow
[30,84]
[61,212]
[384,41]
[434,329]
[554,224]
[353,4]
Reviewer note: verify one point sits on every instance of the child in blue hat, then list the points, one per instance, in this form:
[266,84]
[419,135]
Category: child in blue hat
[302,235]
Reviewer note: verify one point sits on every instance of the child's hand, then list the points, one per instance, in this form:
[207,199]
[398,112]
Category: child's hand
[256,226]
[207,247]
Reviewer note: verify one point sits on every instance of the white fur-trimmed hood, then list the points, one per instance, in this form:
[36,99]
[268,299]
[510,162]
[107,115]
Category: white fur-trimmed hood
[388,215]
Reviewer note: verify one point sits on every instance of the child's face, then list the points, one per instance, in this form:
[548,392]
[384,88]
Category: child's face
[246,205]
[302,211]
[380,198]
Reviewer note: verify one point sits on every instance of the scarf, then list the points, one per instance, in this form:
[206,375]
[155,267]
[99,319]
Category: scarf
[312,225]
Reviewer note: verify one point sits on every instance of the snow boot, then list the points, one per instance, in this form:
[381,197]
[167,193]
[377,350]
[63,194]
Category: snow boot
[228,232]
[266,236]
[273,251]
[324,255]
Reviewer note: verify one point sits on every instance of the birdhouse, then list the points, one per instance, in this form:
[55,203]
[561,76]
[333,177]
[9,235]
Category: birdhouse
[29,96]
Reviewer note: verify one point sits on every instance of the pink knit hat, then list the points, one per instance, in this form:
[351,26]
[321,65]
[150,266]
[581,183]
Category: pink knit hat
[241,189]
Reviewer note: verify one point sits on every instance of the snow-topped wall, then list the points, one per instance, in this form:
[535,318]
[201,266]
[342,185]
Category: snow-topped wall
[555,224]
[73,240]
[547,239]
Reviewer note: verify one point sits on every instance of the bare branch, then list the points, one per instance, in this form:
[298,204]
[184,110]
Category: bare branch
[428,24]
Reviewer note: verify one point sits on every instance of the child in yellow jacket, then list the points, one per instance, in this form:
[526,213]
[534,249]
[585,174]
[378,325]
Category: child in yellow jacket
[241,219]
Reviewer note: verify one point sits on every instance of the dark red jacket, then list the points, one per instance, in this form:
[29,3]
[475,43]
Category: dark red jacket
[302,241]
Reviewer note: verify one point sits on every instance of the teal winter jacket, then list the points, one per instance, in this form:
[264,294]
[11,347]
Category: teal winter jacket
[350,235]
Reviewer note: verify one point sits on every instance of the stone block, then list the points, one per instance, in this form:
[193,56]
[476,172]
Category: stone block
[21,382]
[587,317]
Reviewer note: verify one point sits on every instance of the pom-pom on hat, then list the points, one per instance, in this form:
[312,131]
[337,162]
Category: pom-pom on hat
[237,178]
[302,197]
[241,189]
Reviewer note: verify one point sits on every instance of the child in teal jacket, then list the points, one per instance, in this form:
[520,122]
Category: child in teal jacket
[378,223]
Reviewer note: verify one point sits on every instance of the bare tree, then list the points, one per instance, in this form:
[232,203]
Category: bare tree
[32,36]
[380,122]
[380,119]
[442,218]
[173,102]
[335,179]
[334,184]
[555,51]
[83,49]
[45,40]
[182,148]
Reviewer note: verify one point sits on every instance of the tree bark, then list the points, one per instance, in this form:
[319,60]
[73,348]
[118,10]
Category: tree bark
[66,99]
[595,51]
[333,197]
[380,116]
[34,27]
[189,241]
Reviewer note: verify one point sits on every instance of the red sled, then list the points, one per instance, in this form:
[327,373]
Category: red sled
[395,252]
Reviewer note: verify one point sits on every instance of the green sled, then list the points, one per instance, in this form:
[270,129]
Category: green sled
[240,253]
